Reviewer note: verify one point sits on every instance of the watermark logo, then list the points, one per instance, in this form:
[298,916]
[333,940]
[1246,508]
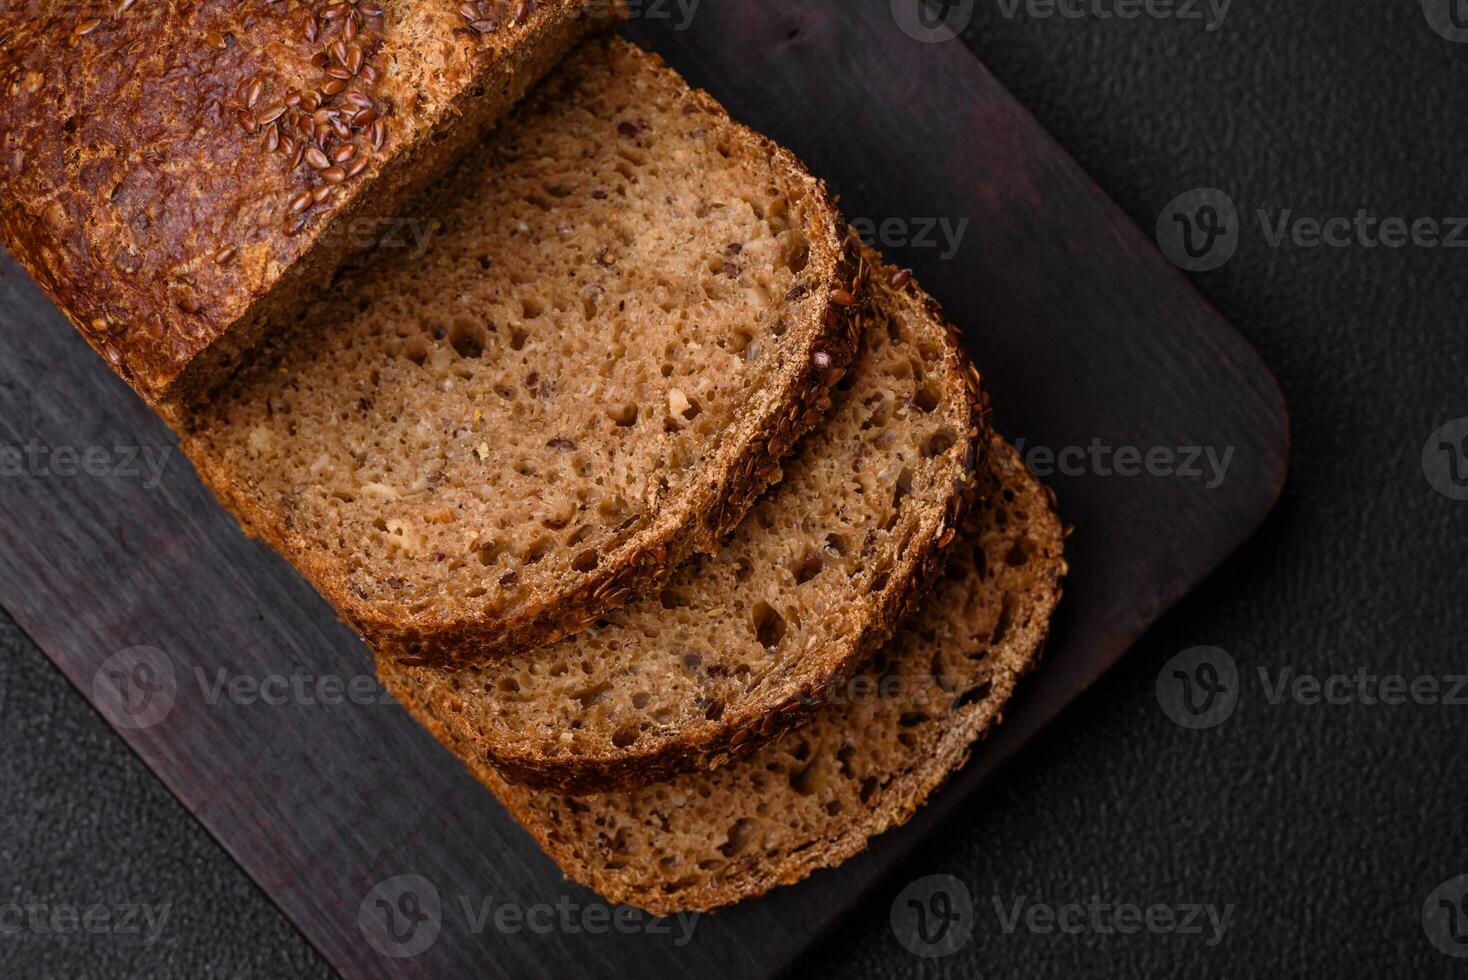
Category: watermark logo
[135,688]
[1445,917]
[1199,688]
[1211,12]
[1199,229]
[1104,918]
[1207,465]
[1445,460]
[300,688]
[941,235]
[39,461]
[932,21]
[401,916]
[67,918]
[933,916]
[1448,17]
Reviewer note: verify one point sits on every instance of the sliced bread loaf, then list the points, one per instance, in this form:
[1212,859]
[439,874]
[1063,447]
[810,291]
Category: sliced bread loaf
[629,310]
[742,646]
[179,176]
[868,761]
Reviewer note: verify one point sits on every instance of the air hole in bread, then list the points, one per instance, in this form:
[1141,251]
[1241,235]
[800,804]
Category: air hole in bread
[769,625]
[928,398]
[491,551]
[1004,622]
[537,550]
[740,834]
[802,780]
[807,566]
[593,695]
[939,443]
[415,349]
[974,694]
[797,253]
[468,339]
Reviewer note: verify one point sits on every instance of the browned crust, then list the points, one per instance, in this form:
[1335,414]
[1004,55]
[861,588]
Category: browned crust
[747,464]
[929,770]
[143,208]
[914,786]
[752,724]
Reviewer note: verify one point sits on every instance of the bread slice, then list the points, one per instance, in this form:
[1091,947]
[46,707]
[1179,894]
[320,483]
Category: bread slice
[180,177]
[629,310]
[740,647]
[897,731]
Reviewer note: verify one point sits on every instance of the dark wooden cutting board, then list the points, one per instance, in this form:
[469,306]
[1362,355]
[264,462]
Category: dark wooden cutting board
[1085,334]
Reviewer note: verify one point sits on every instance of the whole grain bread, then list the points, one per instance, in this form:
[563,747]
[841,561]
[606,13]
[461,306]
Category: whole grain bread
[742,646]
[897,732]
[179,176]
[629,310]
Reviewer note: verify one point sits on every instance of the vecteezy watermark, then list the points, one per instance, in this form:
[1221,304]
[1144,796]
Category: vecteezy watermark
[299,687]
[944,235]
[1445,459]
[66,919]
[34,459]
[1363,686]
[1199,688]
[407,233]
[1096,916]
[135,688]
[1448,17]
[1210,12]
[1204,464]
[679,12]
[932,21]
[402,917]
[138,687]
[1199,230]
[1445,917]
[1362,229]
[933,916]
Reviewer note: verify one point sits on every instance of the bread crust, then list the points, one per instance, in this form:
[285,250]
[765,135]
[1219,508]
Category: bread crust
[746,464]
[744,728]
[165,221]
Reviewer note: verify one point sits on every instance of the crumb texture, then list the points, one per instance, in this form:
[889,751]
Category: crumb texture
[902,726]
[615,300]
[737,644]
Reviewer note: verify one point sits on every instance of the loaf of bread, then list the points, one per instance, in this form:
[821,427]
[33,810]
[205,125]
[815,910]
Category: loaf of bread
[180,176]
[891,736]
[629,309]
[745,645]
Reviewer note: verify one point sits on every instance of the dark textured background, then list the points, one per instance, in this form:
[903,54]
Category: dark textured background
[1325,826]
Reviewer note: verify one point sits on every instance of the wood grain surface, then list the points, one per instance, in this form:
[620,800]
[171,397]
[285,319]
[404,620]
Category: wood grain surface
[125,572]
